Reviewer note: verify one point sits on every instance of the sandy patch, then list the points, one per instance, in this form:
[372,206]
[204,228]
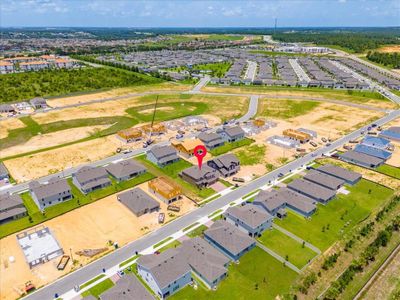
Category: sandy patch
[9,124]
[92,229]
[395,159]
[168,86]
[52,139]
[390,49]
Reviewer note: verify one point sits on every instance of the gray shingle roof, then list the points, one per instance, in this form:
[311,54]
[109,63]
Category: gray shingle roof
[165,267]
[311,189]
[125,168]
[204,258]
[323,179]
[87,173]
[339,172]
[7,201]
[127,288]
[3,170]
[229,237]
[211,138]
[234,131]
[226,160]
[137,200]
[197,174]
[361,157]
[163,151]
[251,215]
[54,187]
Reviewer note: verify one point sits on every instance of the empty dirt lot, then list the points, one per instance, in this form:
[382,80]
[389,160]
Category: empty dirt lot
[9,124]
[88,227]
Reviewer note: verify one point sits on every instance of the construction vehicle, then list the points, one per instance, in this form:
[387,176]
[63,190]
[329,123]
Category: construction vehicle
[29,287]
[313,144]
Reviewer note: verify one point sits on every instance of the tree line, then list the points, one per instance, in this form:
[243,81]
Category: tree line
[387,59]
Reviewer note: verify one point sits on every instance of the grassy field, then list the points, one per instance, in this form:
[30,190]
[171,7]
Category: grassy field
[216,69]
[285,109]
[26,85]
[287,247]
[389,170]
[228,147]
[251,155]
[35,216]
[258,276]
[330,222]
[173,244]
[171,171]
[91,281]
[99,288]
[197,232]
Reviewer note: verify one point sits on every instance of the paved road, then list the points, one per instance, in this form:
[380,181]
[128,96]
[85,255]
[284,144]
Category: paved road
[252,111]
[251,70]
[82,275]
[203,81]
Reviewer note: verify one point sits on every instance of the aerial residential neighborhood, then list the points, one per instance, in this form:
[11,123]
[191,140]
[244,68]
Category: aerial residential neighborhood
[199,150]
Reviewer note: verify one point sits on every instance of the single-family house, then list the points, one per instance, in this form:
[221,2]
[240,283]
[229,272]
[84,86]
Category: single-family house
[162,155]
[130,135]
[376,142]
[299,136]
[89,179]
[38,103]
[6,108]
[232,134]
[325,180]
[55,191]
[11,208]
[202,178]
[372,151]
[128,287]
[312,190]
[205,261]
[164,273]
[6,67]
[392,133]
[249,218]
[166,190]
[226,164]
[211,140]
[361,159]
[350,177]
[138,202]
[186,147]
[229,239]
[125,170]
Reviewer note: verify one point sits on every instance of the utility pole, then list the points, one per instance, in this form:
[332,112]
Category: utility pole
[276,21]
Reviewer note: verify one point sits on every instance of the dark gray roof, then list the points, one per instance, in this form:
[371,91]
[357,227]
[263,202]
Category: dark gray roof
[37,100]
[125,168]
[7,201]
[249,214]
[198,174]
[204,258]
[165,267]
[234,131]
[323,179]
[226,160]
[340,172]
[229,237]
[137,200]
[127,288]
[311,189]
[164,151]
[211,137]
[3,170]
[88,173]
[361,157]
[54,187]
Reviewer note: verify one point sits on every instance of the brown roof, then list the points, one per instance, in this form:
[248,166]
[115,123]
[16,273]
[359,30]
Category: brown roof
[165,187]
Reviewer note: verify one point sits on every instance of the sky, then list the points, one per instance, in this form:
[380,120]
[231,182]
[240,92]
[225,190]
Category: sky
[186,13]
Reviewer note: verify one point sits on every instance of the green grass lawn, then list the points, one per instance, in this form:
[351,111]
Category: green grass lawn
[389,170]
[91,281]
[198,231]
[171,171]
[258,276]
[99,288]
[56,210]
[286,246]
[251,155]
[330,222]
[173,244]
[228,147]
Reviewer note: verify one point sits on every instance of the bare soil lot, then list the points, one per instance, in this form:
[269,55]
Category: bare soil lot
[167,86]
[8,124]
[93,226]
[52,139]
[390,49]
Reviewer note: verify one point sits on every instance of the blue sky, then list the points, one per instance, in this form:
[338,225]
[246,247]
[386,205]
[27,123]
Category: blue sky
[185,13]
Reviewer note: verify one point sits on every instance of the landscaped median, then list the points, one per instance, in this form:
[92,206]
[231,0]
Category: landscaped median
[35,216]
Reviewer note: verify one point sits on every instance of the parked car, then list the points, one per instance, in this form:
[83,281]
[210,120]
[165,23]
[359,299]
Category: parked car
[313,144]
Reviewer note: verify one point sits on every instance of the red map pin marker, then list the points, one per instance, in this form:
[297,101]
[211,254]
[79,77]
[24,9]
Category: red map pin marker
[200,151]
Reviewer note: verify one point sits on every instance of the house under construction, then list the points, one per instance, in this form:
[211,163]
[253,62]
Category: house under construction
[165,189]
[302,137]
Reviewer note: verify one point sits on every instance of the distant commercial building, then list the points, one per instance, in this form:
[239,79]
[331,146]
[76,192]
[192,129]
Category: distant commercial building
[229,239]
[165,189]
[54,192]
[125,170]
[138,202]
[227,164]
[162,155]
[11,208]
[201,178]
[89,179]
[250,218]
